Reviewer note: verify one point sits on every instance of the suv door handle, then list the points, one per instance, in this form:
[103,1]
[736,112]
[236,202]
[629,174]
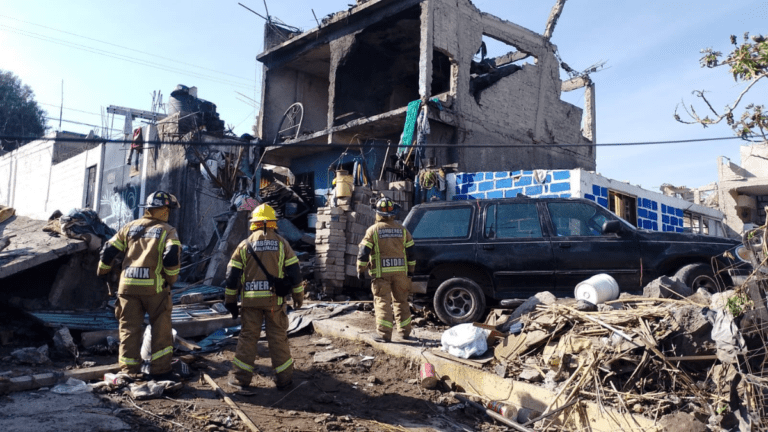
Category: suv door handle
[564,245]
[488,247]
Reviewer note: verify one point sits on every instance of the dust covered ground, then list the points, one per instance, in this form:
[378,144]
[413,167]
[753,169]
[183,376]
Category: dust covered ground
[361,390]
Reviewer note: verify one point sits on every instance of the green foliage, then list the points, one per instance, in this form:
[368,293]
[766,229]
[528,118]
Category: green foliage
[738,304]
[20,116]
[748,64]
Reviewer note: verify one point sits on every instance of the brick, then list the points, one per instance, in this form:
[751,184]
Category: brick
[533,190]
[485,186]
[504,183]
[523,181]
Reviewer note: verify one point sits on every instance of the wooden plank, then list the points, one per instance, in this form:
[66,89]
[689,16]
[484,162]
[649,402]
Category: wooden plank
[248,422]
[478,363]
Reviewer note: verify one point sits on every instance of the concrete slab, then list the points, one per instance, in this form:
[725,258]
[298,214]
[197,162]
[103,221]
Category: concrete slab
[44,411]
[358,325]
[31,246]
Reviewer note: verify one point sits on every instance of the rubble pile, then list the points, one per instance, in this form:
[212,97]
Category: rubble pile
[649,356]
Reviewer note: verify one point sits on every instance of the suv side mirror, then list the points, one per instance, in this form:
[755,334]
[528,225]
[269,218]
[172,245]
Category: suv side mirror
[610,227]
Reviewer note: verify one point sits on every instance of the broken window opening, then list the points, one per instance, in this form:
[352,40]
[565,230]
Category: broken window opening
[623,206]
[691,222]
[441,73]
[493,61]
[90,187]
[381,71]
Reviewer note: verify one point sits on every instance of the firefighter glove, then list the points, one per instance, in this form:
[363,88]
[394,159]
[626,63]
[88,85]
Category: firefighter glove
[361,275]
[233,309]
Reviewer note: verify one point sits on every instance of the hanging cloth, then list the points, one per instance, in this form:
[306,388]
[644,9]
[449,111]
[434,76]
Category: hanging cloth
[411,117]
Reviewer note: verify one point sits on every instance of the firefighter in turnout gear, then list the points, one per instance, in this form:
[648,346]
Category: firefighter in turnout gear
[151,266]
[263,270]
[386,252]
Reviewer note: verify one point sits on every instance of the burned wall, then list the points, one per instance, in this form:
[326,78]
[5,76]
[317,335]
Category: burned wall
[303,80]
[378,71]
[168,169]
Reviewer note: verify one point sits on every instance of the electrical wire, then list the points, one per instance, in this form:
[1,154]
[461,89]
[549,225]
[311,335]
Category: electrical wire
[124,47]
[125,58]
[70,109]
[333,146]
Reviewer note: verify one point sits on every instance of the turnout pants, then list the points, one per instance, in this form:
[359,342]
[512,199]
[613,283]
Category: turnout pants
[388,289]
[251,319]
[130,310]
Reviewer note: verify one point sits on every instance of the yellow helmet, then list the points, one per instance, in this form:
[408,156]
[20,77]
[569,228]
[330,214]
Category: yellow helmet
[263,213]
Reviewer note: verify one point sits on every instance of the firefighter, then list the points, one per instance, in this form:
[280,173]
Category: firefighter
[263,297]
[151,265]
[386,252]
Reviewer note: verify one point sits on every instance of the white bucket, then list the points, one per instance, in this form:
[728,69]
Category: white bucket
[598,289]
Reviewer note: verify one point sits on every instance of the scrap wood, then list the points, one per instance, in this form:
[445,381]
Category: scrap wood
[478,362]
[231,404]
[187,344]
[608,326]
[551,413]
[493,414]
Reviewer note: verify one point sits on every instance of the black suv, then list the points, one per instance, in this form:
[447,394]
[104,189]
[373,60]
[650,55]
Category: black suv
[472,252]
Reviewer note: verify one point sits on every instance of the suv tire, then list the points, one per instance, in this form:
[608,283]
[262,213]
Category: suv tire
[459,300]
[698,276]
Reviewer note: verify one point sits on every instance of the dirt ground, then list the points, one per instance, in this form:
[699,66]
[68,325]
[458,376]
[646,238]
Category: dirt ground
[365,390]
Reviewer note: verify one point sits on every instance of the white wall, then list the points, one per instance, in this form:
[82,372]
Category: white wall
[31,184]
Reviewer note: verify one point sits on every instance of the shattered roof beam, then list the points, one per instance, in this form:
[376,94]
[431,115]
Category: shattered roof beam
[343,24]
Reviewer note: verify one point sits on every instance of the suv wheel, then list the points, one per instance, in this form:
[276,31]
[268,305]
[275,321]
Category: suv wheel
[459,300]
[698,276]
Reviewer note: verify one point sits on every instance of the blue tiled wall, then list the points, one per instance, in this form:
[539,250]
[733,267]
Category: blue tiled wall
[651,215]
[507,184]
[669,219]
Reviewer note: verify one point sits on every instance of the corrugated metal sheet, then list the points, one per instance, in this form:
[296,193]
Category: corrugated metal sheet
[209,292]
[75,320]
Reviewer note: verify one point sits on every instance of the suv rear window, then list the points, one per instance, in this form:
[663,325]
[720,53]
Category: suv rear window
[441,223]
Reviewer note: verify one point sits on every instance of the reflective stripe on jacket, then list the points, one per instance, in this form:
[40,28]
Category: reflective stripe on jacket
[384,249]
[275,254]
[145,242]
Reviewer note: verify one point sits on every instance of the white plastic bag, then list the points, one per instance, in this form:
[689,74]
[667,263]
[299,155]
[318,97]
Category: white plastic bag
[72,386]
[465,340]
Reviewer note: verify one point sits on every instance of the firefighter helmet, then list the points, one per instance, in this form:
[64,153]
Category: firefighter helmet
[263,213]
[386,207]
[159,199]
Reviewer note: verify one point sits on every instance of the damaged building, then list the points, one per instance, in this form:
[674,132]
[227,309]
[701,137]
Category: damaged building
[365,75]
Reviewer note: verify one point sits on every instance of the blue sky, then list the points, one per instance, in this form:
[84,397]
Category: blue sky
[118,53]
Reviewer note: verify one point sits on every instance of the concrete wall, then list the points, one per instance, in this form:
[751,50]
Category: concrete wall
[35,187]
[523,108]
[743,189]
[655,211]
[754,159]
[284,87]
